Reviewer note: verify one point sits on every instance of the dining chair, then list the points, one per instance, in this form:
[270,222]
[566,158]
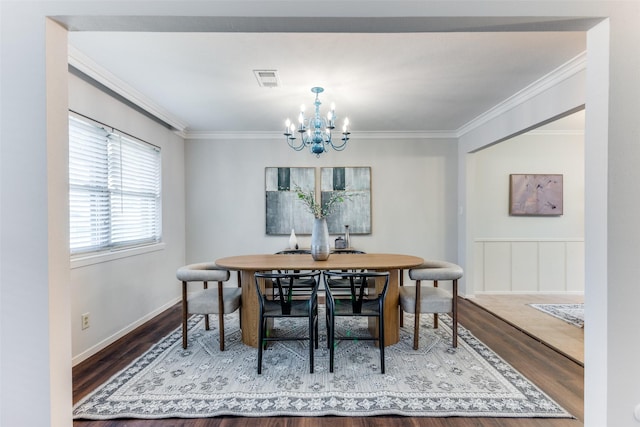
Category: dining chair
[343,283]
[295,296]
[207,301]
[359,299]
[432,299]
[309,281]
[295,252]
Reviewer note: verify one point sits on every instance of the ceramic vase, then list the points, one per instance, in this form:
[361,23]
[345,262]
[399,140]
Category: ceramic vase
[320,248]
[293,241]
[347,237]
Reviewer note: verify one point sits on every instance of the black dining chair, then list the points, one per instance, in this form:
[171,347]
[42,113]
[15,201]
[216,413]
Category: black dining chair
[294,295]
[360,300]
[302,280]
[343,283]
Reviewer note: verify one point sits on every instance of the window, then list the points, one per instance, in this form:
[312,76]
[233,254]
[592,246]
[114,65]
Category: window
[114,189]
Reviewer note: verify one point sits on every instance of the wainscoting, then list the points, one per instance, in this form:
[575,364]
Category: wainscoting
[528,266]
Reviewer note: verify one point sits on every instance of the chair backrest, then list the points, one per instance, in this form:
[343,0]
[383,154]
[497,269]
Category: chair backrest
[202,272]
[293,252]
[289,287]
[339,252]
[354,286]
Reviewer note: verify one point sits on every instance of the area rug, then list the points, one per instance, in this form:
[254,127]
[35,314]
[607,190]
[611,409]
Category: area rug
[434,381]
[570,313]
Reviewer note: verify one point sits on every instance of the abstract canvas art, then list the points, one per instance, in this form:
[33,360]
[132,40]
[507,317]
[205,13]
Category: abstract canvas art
[283,210]
[535,194]
[355,211]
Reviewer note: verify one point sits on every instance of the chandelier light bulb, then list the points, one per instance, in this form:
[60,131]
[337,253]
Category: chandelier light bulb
[345,126]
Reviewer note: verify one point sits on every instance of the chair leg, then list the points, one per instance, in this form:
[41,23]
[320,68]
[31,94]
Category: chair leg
[311,340]
[260,339]
[435,315]
[328,327]
[221,315]
[185,314]
[206,316]
[401,312]
[381,339]
[454,305]
[317,335]
[416,323]
[240,309]
[331,333]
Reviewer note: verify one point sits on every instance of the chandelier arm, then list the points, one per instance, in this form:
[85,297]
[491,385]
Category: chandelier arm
[295,147]
[339,147]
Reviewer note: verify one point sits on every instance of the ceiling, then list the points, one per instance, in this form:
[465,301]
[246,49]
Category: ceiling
[435,83]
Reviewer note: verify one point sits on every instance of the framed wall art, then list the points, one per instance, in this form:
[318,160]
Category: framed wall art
[535,194]
[355,211]
[283,210]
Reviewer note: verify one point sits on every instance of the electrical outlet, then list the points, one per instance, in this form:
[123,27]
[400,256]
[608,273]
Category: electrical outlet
[85,320]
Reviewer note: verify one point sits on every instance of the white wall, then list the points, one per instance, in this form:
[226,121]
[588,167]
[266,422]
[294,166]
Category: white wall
[413,195]
[529,254]
[122,290]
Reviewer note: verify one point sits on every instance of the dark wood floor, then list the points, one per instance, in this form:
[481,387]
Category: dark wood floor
[558,376]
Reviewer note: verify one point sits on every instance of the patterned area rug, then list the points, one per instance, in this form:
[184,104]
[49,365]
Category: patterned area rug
[570,313]
[436,380]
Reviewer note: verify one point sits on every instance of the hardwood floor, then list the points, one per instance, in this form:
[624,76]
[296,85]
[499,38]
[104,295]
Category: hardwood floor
[558,334]
[559,376]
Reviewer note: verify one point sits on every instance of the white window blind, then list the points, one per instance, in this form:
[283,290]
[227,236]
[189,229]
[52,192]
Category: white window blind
[114,189]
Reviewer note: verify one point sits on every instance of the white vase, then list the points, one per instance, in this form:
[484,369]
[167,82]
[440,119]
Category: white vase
[293,241]
[320,249]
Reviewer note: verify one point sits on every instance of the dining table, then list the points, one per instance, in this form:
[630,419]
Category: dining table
[248,265]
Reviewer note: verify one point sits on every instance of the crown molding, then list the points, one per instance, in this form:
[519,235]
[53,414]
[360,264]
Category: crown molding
[555,77]
[381,135]
[87,66]
[552,132]
[232,136]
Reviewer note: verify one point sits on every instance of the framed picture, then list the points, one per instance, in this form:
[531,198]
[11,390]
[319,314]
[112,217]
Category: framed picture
[355,211]
[535,194]
[283,210]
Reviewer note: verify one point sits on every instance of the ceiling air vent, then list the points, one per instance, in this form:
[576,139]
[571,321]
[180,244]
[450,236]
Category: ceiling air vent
[267,78]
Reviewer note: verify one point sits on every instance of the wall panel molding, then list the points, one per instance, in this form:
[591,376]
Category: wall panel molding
[529,266]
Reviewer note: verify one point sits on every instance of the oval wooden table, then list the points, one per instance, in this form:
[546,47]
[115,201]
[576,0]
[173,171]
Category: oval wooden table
[248,265]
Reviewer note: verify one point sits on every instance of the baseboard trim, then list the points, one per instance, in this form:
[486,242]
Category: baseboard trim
[121,333]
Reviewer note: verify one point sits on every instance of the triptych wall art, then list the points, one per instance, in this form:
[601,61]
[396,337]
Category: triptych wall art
[285,212]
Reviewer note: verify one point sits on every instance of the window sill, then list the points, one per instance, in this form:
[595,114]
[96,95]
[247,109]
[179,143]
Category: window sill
[80,261]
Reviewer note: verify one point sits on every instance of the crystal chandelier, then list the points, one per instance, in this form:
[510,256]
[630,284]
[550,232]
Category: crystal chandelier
[315,132]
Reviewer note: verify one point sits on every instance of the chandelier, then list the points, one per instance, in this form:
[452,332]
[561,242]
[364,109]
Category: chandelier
[315,132]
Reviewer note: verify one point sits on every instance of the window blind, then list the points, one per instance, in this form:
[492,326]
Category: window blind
[114,189]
